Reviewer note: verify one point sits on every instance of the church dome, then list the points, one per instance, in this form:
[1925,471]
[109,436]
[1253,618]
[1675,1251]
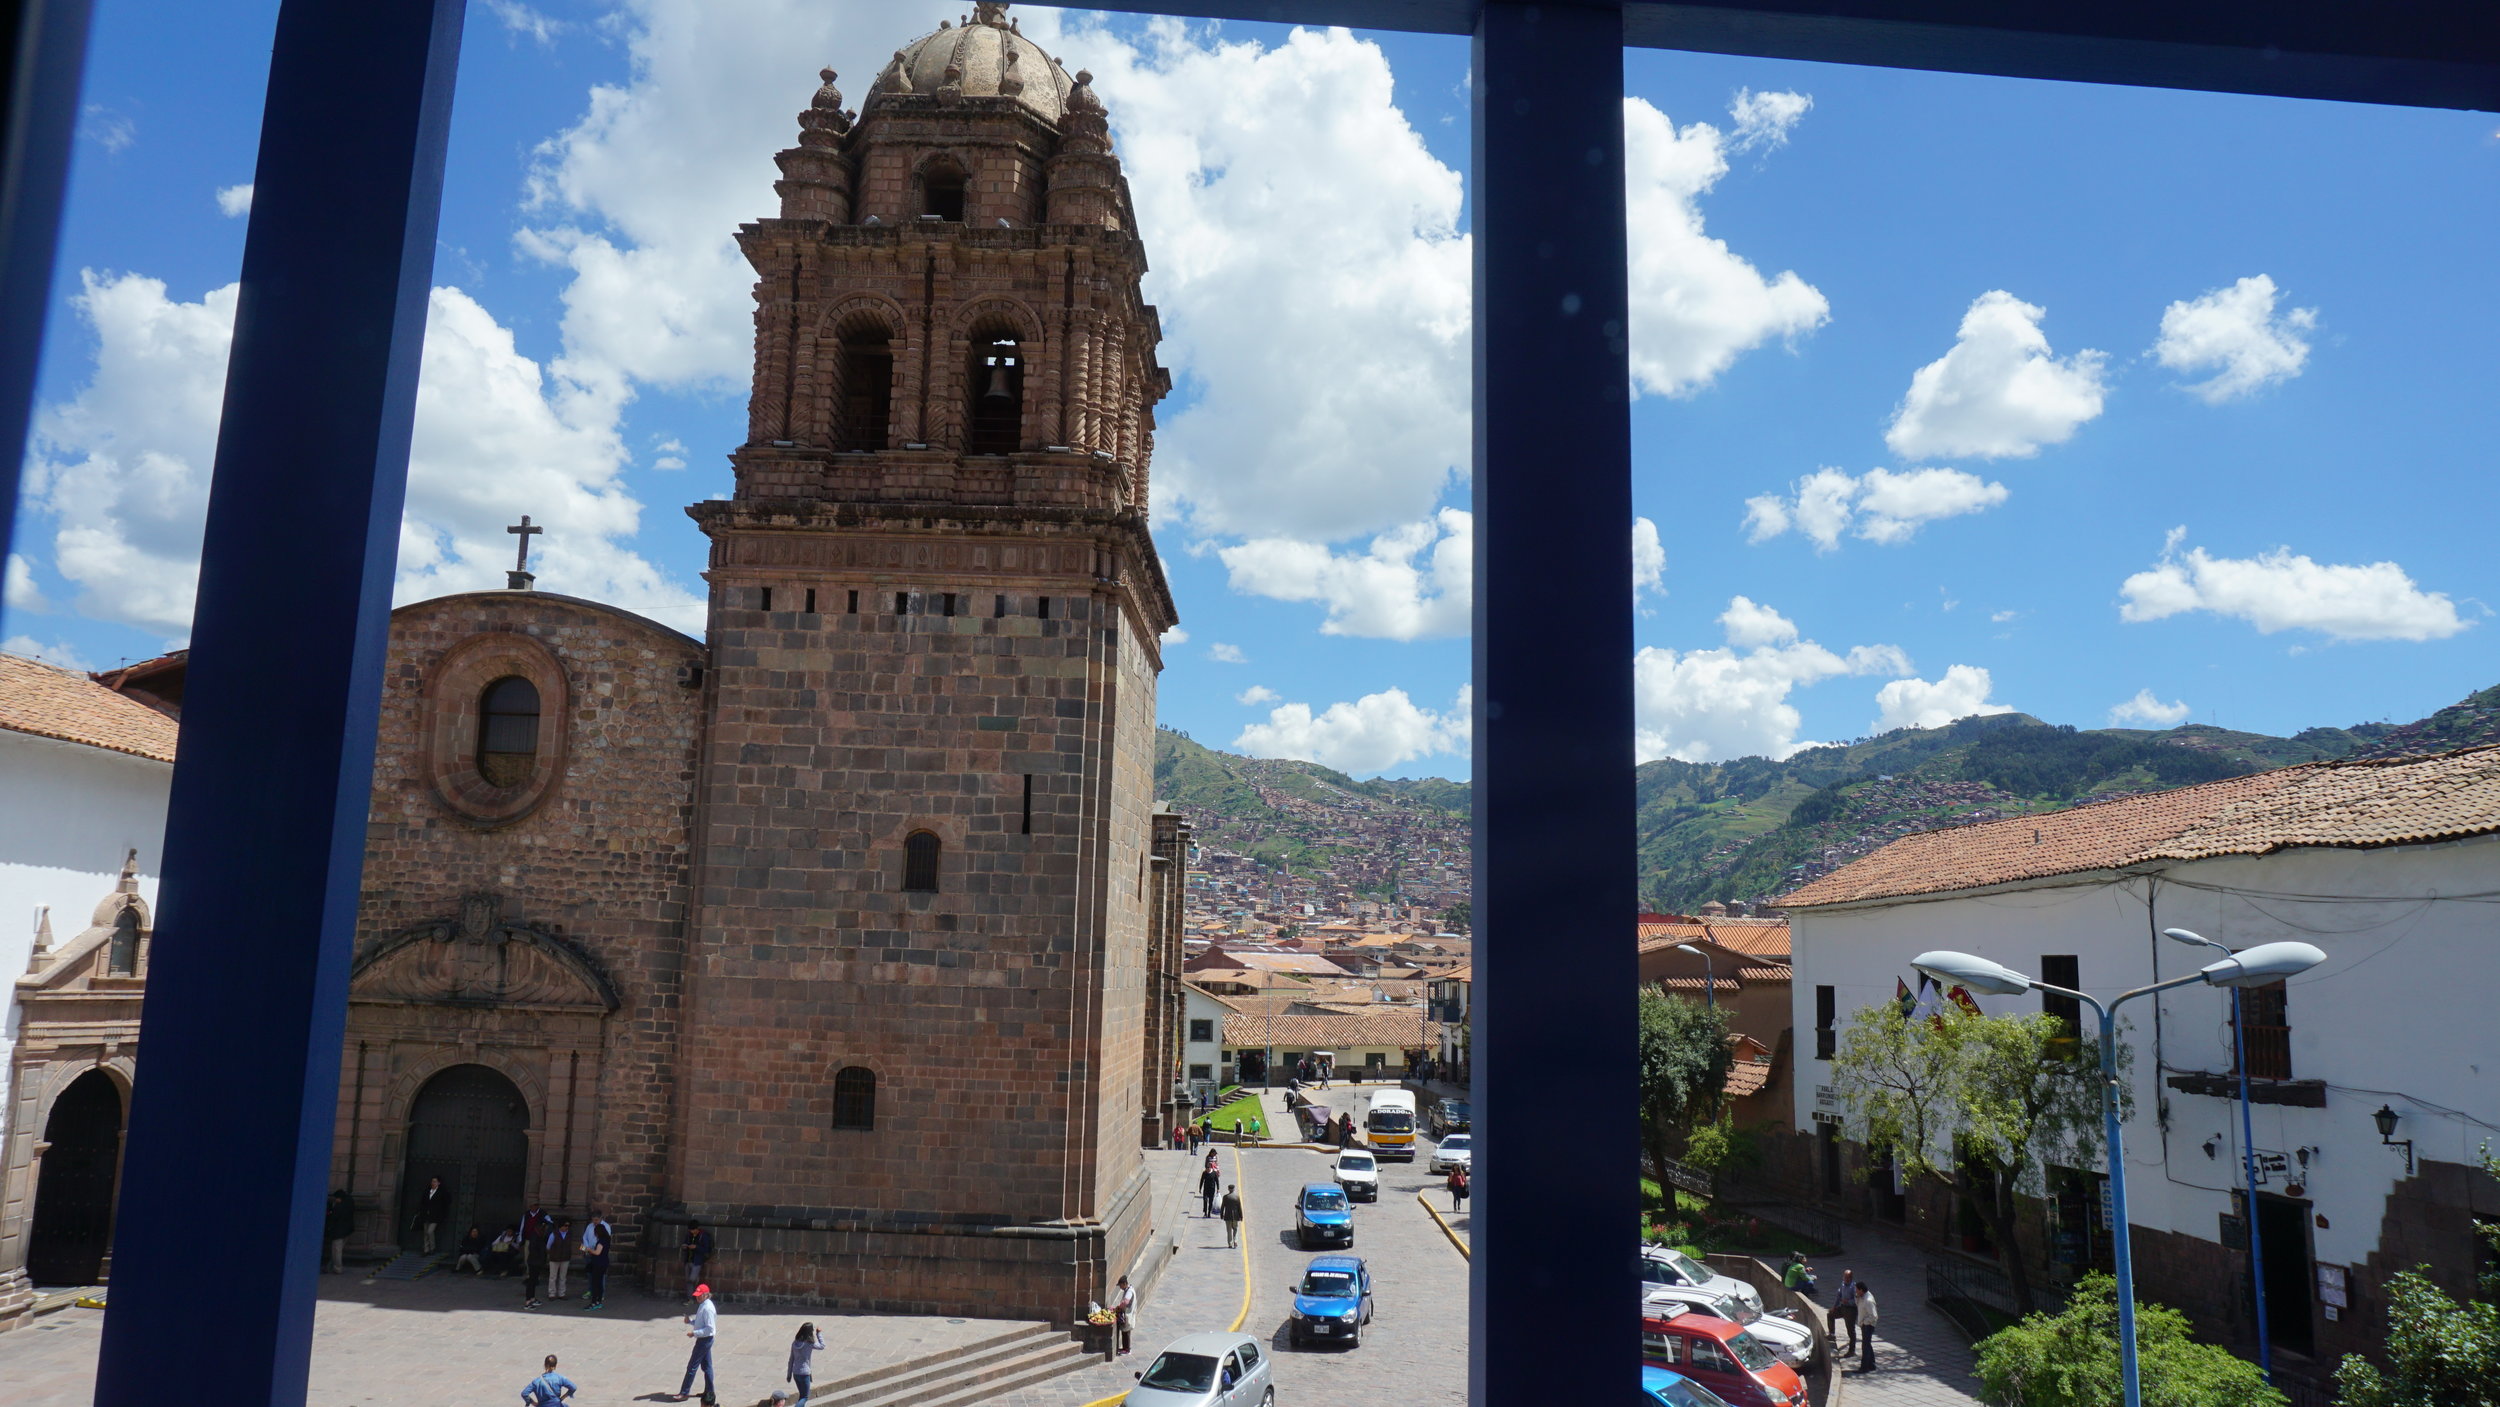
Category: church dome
[984,57]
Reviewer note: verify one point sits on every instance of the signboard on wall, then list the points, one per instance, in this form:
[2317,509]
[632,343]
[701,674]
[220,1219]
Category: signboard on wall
[2332,1290]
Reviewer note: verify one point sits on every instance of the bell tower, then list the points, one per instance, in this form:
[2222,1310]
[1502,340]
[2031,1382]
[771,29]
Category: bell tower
[913,1066]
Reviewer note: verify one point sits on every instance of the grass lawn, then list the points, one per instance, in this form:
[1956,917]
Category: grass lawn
[1239,1112]
[1735,1235]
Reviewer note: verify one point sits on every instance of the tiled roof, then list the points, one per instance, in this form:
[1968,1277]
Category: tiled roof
[56,703]
[1746,1077]
[2388,801]
[1756,937]
[1398,1029]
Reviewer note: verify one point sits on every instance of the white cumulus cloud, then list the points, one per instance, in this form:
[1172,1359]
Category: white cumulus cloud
[1696,304]
[1999,393]
[2284,590]
[235,201]
[1411,583]
[1369,734]
[22,594]
[1882,505]
[1764,119]
[1256,695]
[1649,558]
[1711,705]
[1917,703]
[121,469]
[59,654]
[2144,708]
[1176,636]
[2236,334]
[1222,653]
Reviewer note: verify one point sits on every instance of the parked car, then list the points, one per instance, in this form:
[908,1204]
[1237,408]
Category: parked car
[1322,1216]
[1451,1116]
[1207,1370]
[1664,1387]
[1663,1265]
[1333,1302]
[1792,1341]
[1359,1175]
[1456,1151]
[1723,1357]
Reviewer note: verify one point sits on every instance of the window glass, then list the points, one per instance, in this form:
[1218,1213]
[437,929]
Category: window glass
[1249,1356]
[920,863]
[855,1098]
[507,730]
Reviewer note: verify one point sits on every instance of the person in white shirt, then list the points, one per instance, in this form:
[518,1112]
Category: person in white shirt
[1866,1328]
[803,1361]
[700,1326]
[1124,1311]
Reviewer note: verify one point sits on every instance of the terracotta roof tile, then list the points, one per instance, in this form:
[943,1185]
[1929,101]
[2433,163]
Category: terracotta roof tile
[56,703]
[1399,1029]
[2387,801]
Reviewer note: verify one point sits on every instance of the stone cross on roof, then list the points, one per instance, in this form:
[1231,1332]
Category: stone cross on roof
[520,578]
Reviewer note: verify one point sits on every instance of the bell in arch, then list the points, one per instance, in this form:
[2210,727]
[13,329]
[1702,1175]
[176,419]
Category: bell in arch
[998,390]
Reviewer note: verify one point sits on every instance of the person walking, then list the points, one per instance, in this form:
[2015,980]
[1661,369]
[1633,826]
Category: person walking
[697,1247]
[1866,1328]
[533,1265]
[1845,1312]
[700,1327]
[560,1259]
[548,1388]
[595,1237]
[1124,1313]
[1345,1130]
[433,1209]
[1232,1216]
[338,1222]
[1208,1182]
[803,1361]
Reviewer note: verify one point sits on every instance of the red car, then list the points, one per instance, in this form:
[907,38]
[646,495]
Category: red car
[1721,1356]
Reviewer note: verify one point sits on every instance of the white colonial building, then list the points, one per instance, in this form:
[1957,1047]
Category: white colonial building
[2391,867]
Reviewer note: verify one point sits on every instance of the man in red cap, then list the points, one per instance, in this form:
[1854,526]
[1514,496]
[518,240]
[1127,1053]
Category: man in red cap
[700,1326]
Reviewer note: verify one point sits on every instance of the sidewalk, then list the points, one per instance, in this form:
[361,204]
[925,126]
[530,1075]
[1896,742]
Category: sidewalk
[1920,1358]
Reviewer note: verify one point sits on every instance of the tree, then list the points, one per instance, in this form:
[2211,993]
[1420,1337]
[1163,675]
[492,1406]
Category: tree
[1684,1058]
[2070,1359]
[2439,1353]
[1457,916]
[1983,1103]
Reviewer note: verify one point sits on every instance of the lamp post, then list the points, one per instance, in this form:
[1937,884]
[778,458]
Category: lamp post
[2248,1157]
[2268,962]
[1709,975]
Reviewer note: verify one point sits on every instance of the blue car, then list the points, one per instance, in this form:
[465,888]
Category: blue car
[1322,1216]
[1665,1387]
[1333,1302]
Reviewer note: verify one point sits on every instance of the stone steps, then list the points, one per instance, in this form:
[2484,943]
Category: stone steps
[961,1377]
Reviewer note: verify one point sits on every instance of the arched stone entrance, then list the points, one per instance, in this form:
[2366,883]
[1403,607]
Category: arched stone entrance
[468,1126]
[73,1222]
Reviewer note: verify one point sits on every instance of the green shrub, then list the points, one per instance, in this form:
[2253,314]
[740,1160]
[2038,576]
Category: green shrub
[2439,1353]
[2071,1359]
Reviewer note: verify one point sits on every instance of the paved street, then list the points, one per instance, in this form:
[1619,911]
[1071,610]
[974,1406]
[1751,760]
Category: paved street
[1415,1353]
[1920,1359]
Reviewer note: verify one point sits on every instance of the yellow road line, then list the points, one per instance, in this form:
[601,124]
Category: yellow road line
[1446,1229]
[1239,1319]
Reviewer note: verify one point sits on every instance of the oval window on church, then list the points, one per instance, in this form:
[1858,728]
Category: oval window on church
[507,731]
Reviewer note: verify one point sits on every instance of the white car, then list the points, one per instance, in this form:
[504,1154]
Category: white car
[1792,1341]
[1359,1175]
[1207,1370]
[1664,1266]
[1455,1151]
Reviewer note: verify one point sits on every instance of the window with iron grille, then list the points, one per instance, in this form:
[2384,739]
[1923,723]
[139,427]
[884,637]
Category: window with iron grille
[855,1098]
[2266,1032]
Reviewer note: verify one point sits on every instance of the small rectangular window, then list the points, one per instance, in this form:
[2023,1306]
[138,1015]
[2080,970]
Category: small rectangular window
[1028,803]
[1045,608]
[2266,1031]
[902,603]
[811,600]
[999,611]
[1826,1009]
[950,604]
[1201,1030]
[2063,970]
[764,598]
[1202,1072]
[854,603]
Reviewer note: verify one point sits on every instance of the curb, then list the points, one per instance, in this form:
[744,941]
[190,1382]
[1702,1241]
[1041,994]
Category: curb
[1238,1320]
[1446,1229]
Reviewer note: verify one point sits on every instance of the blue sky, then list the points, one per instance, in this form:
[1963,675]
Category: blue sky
[1966,284]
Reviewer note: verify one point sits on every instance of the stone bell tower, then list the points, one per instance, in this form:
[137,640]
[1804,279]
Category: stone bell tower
[913,1066]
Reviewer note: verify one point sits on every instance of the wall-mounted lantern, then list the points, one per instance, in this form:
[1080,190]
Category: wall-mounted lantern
[2386,1119]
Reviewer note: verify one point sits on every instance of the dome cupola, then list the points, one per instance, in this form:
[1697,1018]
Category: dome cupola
[983,57]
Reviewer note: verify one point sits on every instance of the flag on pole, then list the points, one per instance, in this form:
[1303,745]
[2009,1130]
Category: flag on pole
[1964,1000]
[1930,1002]
[1901,997]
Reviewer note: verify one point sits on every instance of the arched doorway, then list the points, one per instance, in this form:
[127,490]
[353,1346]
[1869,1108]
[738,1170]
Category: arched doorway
[469,1127]
[73,1224]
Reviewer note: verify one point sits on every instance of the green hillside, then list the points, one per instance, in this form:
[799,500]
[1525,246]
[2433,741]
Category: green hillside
[1301,817]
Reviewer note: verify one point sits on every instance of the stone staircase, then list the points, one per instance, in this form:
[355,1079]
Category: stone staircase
[411,1265]
[960,1377]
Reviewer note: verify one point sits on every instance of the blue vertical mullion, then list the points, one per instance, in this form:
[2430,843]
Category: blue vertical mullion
[1553,1313]
[216,1244]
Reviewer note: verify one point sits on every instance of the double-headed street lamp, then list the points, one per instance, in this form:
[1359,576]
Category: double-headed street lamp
[2268,962]
[2248,1156]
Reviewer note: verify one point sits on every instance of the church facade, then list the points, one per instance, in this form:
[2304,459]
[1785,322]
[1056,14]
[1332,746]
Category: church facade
[850,931]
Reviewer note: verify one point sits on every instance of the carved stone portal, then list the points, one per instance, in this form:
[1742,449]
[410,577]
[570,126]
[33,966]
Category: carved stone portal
[477,959]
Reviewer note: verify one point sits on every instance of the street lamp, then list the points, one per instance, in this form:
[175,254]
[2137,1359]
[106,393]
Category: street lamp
[2248,1156]
[2265,963]
[1709,975]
